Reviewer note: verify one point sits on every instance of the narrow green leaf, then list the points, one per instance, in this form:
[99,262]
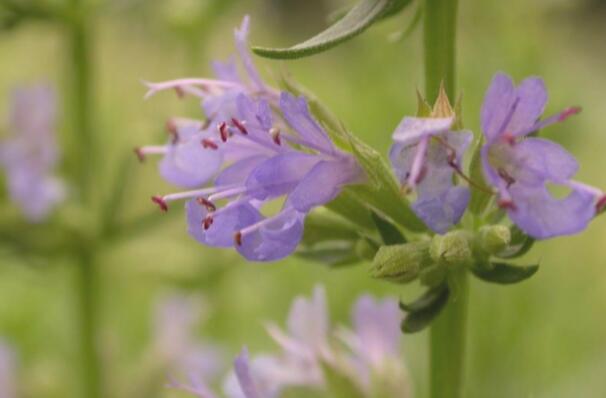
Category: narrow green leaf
[348,206]
[390,234]
[358,19]
[505,274]
[424,310]
[322,225]
[332,254]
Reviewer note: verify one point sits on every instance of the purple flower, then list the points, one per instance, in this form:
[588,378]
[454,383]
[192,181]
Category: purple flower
[31,154]
[272,160]
[194,153]
[375,345]
[8,376]
[370,358]
[522,167]
[175,344]
[425,154]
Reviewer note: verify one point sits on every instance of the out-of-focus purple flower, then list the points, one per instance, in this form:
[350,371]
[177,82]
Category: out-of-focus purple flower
[370,355]
[175,343]
[522,167]
[31,154]
[375,346]
[424,156]
[271,160]
[8,376]
[194,154]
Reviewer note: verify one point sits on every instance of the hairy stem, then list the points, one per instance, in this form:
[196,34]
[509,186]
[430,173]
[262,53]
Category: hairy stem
[448,331]
[439,46]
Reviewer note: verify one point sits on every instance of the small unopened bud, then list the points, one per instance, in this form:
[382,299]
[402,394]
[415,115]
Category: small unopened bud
[400,263]
[494,238]
[452,249]
[365,249]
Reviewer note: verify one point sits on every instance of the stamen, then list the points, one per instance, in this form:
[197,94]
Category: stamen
[160,202]
[140,154]
[506,177]
[452,162]
[172,129]
[207,222]
[239,125]
[195,193]
[237,190]
[566,113]
[416,170]
[180,92]
[238,238]
[509,138]
[210,206]
[150,150]
[421,176]
[207,143]
[222,127]
[507,204]
[601,205]
[275,135]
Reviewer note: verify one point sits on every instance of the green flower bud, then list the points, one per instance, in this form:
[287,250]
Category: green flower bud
[452,249]
[365,249]
[400,263]
[494,239]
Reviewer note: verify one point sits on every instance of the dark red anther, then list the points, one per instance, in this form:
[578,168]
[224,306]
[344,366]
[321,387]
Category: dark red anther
[206,143]
[180,92]
[506,204]
[601,205]
[566,113]
[239,125]
[275,135]
[172,129]
[207,222]
[223,131]
[452,159]
[238,238]
[160,202]
[506,177]
[421,175]
[140,154]
[210,206]
[509,138]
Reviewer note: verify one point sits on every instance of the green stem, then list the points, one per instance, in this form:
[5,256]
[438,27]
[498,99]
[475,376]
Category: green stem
[86,283]
[448,331]
[439,45]
[80,104]
[447,342]
[80,79]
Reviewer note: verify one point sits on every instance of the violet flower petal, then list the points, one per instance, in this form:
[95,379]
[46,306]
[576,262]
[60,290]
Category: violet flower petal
[542,216]
[441,212]
[322,184]
[280,174]
[189,164]
[276,239]
[225,224]
[497,106]
[531,99]
[296,112]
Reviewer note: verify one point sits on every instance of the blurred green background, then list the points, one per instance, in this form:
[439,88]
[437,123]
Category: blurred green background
[543,338]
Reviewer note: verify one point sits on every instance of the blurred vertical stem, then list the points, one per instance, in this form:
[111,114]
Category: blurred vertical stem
[81,110]
[448,331]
